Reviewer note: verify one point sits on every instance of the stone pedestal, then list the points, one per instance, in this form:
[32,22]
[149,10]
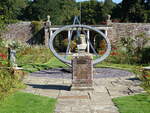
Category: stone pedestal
[82,74]
[46,37]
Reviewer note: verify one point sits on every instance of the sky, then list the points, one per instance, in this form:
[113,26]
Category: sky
[116,1]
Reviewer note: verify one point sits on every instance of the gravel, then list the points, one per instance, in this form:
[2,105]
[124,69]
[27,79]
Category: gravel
[66,73]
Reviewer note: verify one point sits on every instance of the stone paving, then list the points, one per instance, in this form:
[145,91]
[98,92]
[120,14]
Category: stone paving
[97,101]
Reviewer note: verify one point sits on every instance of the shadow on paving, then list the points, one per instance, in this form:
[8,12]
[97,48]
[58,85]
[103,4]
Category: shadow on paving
[133,79]
[46,72]
[53,87]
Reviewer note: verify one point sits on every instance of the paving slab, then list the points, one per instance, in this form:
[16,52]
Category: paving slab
[97,101]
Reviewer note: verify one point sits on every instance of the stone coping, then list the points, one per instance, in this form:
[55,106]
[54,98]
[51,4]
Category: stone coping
[17,68]
[147,68]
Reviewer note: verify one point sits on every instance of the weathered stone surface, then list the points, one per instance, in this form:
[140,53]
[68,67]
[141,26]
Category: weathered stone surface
[120,30]
[74,101]
[21,31]
[82,72]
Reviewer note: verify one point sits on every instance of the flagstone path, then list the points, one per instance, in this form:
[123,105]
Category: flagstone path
[56,83]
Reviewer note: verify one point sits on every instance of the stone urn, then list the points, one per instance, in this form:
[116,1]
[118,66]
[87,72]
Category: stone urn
[82,43]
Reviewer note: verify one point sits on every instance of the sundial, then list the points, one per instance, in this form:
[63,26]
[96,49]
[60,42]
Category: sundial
[81,62]
[78,28]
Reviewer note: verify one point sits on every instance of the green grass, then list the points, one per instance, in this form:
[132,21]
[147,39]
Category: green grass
[131,68]
[52,63]
[27,103]
[55,63]
[139,103]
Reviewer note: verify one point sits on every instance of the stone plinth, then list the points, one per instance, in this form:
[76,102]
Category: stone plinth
[82,74]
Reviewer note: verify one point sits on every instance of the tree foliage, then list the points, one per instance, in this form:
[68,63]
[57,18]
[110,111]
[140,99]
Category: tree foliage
[61,11]
[91,12]
[12,8]
[133,11]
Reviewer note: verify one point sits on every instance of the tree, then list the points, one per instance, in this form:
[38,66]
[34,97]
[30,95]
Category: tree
[147,7]
[91,12]
[12,8]
[109,4]
[1,19]
[107,7]
[133,11]
[61,11]
[68,10]
[147,4]
[117,12]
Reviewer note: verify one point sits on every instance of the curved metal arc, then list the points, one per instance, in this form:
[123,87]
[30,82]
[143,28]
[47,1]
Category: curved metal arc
[107,51]
[90,44]
[50,44]
[69,39]
[84,26]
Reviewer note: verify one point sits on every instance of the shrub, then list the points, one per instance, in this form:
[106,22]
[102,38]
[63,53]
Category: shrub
[33,55]
[145,77]
[37,33]
[36,27]
[134,47]
[8,82]
[146,56]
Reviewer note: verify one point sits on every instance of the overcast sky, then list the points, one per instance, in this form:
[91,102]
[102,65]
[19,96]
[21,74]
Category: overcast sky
[116,1]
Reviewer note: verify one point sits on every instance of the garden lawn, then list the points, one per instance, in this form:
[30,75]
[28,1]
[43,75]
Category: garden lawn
[52,63]
[139,103]
[132,68]
[55,63]
[27,103]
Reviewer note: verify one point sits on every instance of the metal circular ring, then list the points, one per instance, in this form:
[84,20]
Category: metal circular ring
[51,39]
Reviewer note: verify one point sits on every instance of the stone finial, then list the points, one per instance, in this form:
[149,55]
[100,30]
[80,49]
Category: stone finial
[82,43]
[109,22]
[48,20]
[108,17]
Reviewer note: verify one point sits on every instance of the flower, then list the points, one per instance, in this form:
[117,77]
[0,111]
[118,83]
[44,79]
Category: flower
[114,53]
[146,75]
[3,56]
[114,48]
[101,52]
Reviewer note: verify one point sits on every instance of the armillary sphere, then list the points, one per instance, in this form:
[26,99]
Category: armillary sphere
[78,28]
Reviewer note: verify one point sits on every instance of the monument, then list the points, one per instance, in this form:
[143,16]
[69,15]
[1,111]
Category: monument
[82,62]
[82,67]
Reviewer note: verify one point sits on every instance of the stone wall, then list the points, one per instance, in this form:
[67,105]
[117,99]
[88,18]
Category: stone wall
[21,31]
[24,32]
[120,30]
